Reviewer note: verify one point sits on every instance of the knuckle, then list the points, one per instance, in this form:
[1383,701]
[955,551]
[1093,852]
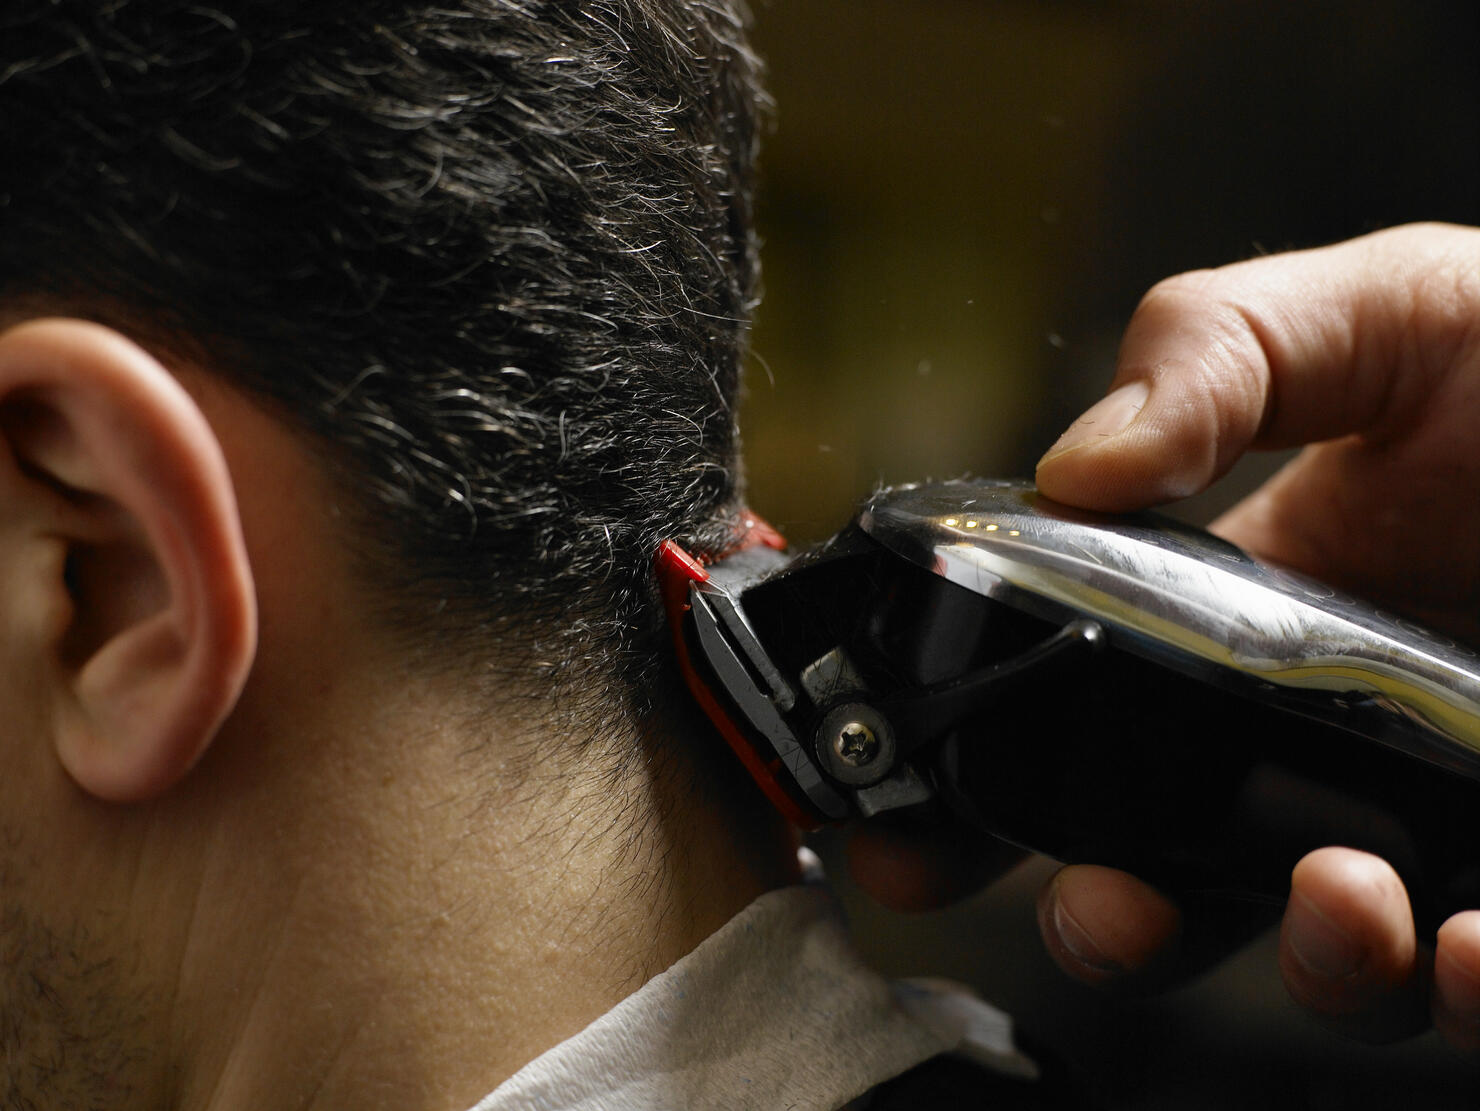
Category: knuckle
[1437,286]
[1229,378]
[1201,341]
[1443,305]
[1423,332]
[1179,295]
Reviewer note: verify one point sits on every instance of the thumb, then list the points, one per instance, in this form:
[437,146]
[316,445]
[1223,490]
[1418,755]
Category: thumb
[1278,351]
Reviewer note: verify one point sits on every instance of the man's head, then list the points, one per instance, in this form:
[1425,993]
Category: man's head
[495,256]
[404,331]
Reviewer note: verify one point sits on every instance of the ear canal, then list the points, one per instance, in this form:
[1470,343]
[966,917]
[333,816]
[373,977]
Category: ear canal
[114,584]
[162,628]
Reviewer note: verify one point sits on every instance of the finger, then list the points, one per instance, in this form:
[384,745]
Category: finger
[1348,952]
[1384,525]
[911,868]
[1456,1005]
[1109,929]
[1106,928]
[1303,517]
[1283,350]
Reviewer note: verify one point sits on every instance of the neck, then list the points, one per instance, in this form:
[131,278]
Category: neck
[389,946]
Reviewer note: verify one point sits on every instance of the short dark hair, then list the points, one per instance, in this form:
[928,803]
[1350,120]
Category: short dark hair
[494,256]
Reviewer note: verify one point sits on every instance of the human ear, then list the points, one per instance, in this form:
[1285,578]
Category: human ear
[116,477]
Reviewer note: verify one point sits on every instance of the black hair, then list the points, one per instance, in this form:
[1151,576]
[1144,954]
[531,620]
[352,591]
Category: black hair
[494,256]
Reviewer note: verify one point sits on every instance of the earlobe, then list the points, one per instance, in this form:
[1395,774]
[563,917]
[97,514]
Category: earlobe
[160,630]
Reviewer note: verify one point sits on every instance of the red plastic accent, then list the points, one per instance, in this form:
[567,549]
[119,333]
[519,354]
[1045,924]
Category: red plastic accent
[755,530]
[677,571]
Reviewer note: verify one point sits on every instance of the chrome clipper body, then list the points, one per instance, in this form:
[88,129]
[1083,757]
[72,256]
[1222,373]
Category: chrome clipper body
[1127,691]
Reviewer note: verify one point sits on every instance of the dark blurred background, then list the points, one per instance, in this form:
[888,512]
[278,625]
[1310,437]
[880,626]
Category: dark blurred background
[962,202]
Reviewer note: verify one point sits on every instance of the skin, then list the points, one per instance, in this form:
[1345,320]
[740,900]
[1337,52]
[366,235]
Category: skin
[249,855]
[1369,352]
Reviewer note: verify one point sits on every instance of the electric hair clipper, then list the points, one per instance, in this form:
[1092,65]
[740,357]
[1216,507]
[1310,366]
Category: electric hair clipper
[1126,691]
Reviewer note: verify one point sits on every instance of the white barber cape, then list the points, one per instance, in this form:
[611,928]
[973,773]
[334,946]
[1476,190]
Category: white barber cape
[773,1011]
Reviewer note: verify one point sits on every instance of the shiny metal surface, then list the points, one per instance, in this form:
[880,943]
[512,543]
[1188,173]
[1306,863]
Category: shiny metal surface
[1196,604]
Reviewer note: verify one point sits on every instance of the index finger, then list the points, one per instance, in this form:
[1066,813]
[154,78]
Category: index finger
[1277,351]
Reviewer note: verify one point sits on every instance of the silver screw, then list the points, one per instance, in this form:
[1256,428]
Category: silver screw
[855,744]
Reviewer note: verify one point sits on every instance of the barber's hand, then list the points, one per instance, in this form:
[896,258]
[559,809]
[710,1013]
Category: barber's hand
[1370,351]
